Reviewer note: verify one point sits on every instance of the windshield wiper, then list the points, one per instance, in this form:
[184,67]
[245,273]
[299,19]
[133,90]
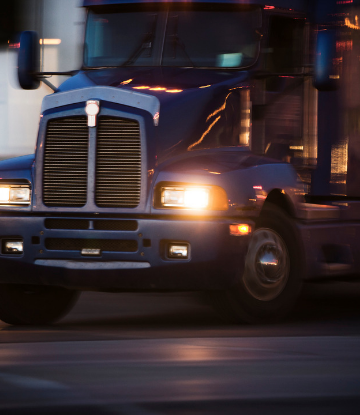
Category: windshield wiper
[146,43]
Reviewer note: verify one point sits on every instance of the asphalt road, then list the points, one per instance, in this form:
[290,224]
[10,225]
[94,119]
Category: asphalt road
[172,354]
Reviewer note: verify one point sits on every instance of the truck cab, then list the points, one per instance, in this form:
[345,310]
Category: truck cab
[181,156]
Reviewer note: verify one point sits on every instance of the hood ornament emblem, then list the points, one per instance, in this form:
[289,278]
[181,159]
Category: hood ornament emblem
[92,110]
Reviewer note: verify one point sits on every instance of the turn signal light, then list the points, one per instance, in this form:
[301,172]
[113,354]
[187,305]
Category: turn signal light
[240,229]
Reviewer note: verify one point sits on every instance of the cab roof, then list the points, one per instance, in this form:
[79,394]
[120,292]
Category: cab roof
[299,5]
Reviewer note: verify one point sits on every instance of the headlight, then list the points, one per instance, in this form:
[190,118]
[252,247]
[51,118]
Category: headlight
[191,197]
[15,195]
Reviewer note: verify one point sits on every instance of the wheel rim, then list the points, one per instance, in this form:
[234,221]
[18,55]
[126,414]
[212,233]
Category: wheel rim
[267,265]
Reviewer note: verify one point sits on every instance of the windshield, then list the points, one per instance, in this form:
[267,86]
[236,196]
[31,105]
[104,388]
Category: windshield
[185,35]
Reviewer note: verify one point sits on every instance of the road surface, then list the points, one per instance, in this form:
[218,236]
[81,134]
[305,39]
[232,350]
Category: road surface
[172,354]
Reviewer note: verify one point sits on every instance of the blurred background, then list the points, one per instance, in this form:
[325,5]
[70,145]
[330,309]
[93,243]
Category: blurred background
[60,25]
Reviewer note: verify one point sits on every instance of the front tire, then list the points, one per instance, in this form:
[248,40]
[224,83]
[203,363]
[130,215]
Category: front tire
[34,305]
[272,280]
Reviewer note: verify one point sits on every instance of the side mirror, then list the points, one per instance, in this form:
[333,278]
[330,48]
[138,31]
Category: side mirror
[326,76]
[29,60]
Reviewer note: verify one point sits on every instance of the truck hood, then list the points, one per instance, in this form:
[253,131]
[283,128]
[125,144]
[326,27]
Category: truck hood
[199,108]
[17,163]
[145,79]
[17,168]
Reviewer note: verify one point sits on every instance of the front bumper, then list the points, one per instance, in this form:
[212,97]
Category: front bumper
[214,261]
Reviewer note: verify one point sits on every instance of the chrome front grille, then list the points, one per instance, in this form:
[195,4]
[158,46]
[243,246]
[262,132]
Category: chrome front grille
[117,166]
[66,162]
[118,163]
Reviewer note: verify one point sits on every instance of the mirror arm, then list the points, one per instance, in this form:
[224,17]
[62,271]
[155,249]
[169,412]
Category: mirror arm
[49,84]
[42,77]
[66,73]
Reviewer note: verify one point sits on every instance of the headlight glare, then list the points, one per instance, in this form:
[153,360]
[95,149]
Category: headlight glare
[196,198]
[4,194]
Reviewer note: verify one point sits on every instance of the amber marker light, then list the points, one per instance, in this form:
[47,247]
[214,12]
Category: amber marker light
[240,229]
[141,87]
[158,88]
[174,91]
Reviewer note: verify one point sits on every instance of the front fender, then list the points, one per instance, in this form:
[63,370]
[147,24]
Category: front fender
[246,178]
[17,168]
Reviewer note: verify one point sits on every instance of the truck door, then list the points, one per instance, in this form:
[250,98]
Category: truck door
[285,96]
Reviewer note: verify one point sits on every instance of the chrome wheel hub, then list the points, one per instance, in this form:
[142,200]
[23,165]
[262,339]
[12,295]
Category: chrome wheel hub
[267,265]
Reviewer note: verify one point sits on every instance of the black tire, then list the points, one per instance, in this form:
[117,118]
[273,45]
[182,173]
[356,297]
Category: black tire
[274,266]
[34,305]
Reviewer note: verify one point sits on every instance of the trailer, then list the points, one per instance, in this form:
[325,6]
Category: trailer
[203,146]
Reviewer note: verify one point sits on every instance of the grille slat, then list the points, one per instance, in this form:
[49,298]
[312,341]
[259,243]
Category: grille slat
[118,163]
[65,162]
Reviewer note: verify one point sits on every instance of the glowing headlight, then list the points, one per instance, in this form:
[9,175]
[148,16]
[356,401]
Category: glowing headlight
[193,197]
[4,194]
[15,195]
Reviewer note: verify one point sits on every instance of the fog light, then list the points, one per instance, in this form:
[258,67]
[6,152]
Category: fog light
[13,247]
[240,229]
[180,251]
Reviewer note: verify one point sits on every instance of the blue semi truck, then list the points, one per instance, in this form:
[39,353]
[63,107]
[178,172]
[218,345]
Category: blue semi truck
[202,146]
